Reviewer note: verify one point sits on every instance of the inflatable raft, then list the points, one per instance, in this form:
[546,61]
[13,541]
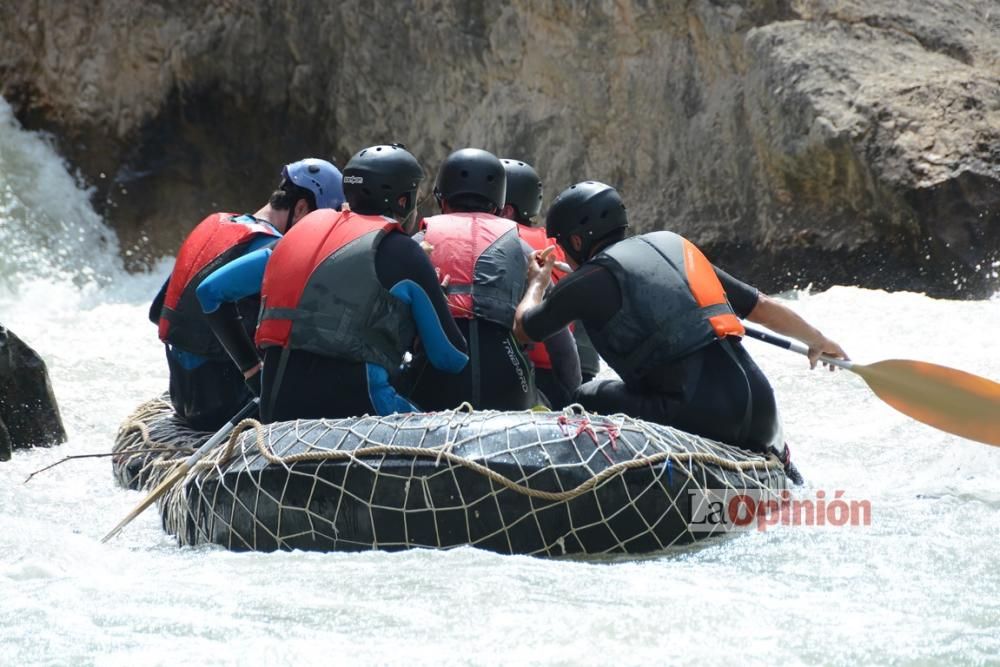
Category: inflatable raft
[541,483]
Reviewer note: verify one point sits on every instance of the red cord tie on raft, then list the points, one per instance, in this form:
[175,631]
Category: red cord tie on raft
[583,425]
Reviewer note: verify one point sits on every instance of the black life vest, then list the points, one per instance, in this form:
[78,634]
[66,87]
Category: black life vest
[672,304]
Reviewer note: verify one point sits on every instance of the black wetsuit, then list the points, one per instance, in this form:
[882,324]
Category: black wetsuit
[506,378]
[313,385]
[557,385]
[590,361]
[205,392]
[684,393]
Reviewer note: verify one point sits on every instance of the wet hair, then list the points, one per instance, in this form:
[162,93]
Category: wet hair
[471,203]
[288,194]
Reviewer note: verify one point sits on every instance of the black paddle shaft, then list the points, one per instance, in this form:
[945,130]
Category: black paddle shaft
[769,338]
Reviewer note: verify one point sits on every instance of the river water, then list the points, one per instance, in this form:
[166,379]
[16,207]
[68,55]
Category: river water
[919,585]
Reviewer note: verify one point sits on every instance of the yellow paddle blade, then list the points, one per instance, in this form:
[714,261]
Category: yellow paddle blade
[160,489]
[948,399]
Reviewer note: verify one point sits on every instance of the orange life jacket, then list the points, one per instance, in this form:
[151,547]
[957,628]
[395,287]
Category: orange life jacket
[483,257]
[217,240]
[321,292]
[539,240]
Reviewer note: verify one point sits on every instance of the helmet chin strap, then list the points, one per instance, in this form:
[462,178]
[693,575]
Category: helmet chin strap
[409,223]
[576,253]
[291,214]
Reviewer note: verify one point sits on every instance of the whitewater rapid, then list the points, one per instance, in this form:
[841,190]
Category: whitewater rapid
[920,585]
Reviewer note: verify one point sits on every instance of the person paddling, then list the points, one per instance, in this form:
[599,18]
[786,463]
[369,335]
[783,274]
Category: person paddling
[344,294]
[664,318]
[205,388]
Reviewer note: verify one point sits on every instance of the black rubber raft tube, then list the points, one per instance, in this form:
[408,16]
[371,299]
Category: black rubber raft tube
[540,483]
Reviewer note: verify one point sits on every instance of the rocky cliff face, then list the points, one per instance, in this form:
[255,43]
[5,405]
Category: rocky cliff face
[823,141]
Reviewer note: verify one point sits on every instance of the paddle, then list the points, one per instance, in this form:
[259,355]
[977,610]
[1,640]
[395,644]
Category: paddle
[947,399]
[182,470]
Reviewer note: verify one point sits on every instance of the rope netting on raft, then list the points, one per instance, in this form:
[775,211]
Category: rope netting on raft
[150,442]
[514,482]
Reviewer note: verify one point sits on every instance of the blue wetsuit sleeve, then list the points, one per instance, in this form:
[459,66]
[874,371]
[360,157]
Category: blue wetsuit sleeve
[399,259]
[262,242]
[440,350]
[383,396]
[239,278]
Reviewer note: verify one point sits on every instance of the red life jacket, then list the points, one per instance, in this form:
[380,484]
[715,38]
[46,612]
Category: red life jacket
[217,240]
[483,256]
[321,292]
[672,304]
[537,239]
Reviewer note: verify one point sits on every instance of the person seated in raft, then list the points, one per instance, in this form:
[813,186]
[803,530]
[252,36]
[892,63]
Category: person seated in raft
[523,201]
[205,389]
[664,318]
[482,263]
[344,295]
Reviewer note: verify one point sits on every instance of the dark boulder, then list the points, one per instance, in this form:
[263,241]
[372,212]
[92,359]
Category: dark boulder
[29,416]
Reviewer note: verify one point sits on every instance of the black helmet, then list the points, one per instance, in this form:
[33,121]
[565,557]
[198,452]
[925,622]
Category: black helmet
[524,190]
[590,210]
[383,180]
[471,174]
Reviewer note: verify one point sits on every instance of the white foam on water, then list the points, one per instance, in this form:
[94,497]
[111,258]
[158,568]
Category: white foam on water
[48,228]
[919,585]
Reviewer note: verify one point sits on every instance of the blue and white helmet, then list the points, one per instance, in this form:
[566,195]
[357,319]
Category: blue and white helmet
[319,177]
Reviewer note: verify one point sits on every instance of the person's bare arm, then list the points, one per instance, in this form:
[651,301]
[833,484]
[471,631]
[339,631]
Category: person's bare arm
[783,320]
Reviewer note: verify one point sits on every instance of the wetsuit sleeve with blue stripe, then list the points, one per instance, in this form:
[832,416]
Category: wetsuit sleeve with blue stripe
[218,294]
[231,282]
[403,268]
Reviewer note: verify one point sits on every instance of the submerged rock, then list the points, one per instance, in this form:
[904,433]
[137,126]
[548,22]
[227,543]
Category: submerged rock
[823,141]
[29,416]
